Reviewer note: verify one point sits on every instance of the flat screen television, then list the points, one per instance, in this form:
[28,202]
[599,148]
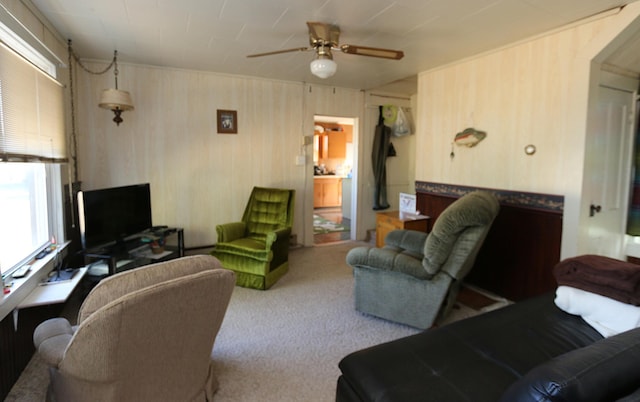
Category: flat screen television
[108,216]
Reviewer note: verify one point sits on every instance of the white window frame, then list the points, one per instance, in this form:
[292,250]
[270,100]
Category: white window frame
[54,200]
[45,225]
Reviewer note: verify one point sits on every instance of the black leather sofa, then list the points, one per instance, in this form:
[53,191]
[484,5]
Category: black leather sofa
[528,351]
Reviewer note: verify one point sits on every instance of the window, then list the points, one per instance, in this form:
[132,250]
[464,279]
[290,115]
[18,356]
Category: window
[31,138]
[29,213]
[31,111]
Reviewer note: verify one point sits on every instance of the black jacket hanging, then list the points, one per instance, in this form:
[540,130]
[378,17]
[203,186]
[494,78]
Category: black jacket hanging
[379,153]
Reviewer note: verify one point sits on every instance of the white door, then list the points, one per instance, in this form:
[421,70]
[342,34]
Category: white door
[608,162]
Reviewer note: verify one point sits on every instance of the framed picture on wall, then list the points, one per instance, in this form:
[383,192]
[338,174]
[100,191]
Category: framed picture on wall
[227,122]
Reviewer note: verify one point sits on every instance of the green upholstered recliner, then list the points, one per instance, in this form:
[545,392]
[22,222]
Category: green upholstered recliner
[416,276]
[257,248]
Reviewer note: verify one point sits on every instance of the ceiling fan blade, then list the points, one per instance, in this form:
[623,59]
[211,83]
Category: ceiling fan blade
[297,49]
[372,52]
[321,33]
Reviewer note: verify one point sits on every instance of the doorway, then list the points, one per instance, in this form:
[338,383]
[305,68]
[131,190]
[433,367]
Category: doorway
[333,178]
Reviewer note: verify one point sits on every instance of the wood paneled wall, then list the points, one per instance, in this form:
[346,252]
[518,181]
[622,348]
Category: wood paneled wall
[522,246]
[534,92]
[200,178]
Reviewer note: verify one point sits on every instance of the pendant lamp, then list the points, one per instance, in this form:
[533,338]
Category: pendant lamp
[116,100]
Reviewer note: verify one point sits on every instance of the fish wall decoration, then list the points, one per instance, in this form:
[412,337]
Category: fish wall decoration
[469,137]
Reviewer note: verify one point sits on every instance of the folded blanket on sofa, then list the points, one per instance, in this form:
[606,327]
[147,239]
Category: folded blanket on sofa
[618,280]
[607,316]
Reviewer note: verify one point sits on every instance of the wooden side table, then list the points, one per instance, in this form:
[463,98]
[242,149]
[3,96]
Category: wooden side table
[388,221]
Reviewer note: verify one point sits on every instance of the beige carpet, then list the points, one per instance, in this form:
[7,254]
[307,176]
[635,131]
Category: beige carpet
[284,344]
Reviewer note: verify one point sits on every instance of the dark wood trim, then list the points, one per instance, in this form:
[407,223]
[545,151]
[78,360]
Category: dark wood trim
[634,260]
[540,201]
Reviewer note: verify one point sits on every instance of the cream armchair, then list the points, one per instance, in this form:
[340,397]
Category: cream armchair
[416,276]
[142,335]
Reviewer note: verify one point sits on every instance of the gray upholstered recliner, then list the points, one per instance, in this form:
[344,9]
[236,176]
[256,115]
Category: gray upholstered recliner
[142,335]
[416,276]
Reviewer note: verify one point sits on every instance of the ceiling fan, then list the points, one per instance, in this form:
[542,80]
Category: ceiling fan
[323,38]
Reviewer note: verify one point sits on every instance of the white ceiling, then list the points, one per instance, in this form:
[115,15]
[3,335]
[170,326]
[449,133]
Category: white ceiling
[216,35]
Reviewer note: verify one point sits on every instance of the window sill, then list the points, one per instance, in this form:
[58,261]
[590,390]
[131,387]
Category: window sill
[23,286]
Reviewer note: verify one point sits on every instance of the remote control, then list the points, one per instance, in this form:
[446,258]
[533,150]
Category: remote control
[21,272]
[44,252]
[41,254]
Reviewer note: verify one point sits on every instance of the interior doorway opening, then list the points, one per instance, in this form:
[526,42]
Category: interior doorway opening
[334,181]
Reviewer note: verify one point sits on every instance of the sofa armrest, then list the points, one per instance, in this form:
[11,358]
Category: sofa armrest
[277,236]
[51,339]
[231,231]
[606,370]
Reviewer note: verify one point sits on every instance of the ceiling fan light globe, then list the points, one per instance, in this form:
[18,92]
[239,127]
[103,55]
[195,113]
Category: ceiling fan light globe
[323,68]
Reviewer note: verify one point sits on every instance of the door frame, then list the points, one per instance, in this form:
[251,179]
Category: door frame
[353,121]
[629,85]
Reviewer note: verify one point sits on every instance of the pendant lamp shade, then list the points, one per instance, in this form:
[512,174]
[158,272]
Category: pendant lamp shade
[116,100]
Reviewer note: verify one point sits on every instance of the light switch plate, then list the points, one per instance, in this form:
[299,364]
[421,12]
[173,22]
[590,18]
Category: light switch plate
[307,140]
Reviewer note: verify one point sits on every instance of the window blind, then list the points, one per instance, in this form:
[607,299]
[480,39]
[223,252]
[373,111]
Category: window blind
[31,112]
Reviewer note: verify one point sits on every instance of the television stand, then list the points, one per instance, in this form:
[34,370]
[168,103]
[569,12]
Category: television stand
[131,254]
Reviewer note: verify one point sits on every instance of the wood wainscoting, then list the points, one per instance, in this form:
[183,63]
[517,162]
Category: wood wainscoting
[523,245]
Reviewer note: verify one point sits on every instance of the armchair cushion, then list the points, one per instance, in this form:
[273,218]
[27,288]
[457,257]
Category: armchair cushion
[411,241]
[388,259]
[268,210]
[246,247]
[402,253]
[477,208]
